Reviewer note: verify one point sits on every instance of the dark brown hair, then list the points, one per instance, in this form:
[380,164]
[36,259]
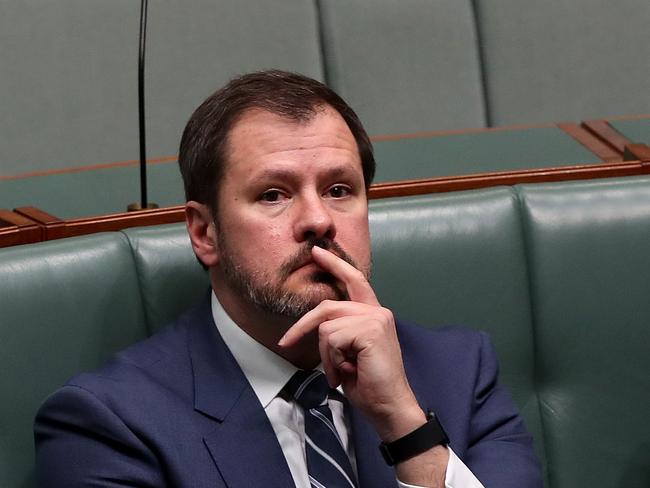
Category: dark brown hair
[203,151]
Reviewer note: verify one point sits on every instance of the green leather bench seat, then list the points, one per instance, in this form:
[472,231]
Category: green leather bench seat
[637,130]
[558,275]
[65,306]
[459,259]
[590,269]
[478,152]
[171,279]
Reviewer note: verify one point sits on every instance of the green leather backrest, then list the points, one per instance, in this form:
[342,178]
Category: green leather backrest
[555,60]
[459,259]
[590,268]
[68,89]
[438,260]
[171,279]
[196,46]
[69,78]
[65,306]
[558,274]
[405,66]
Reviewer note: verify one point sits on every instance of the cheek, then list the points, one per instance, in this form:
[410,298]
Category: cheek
[356,242]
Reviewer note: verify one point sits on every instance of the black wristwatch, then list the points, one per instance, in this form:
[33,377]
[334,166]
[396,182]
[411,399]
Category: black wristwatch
[421,439]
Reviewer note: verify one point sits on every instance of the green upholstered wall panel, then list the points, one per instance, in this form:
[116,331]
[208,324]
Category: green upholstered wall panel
[590,270]
[404,66]
[559,60]
[68,90]
[68,87]
[478,152]
[171,279]
[458,259]
[634,130]
[196,46]
[65,307]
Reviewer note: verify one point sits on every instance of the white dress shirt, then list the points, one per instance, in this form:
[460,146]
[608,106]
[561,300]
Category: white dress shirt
[267,374]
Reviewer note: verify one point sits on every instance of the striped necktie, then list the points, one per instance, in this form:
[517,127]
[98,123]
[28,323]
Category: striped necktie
[327,462]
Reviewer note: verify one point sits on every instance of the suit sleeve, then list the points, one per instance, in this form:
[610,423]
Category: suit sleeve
[500,452]
[82,442]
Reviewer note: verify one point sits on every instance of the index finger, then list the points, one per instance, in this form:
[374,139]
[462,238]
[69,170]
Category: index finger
[356,284]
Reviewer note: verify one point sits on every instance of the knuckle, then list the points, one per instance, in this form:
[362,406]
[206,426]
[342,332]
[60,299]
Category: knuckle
[324,329]
[386,314]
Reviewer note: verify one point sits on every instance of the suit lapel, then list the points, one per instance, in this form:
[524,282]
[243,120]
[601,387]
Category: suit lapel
[241,440]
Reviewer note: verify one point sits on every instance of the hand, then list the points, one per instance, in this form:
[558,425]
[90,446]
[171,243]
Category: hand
[359,349]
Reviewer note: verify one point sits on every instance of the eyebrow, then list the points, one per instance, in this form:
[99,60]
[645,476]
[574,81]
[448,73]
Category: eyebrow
[287,174]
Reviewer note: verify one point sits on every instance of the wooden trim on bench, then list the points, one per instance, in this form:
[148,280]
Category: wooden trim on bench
[637,152]
[630,150]
[55,228]
[470,182]
[593,143]
[607,134]
[17,229]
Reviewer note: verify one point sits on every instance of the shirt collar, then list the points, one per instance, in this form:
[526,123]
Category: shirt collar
[266,372]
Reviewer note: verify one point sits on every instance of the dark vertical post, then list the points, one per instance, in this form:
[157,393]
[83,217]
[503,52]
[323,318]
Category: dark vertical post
[143,148]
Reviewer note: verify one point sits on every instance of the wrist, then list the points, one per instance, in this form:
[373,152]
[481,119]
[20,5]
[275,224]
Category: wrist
[399,422]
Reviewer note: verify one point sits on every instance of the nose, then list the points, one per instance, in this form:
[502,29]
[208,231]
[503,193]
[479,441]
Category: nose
[313,219]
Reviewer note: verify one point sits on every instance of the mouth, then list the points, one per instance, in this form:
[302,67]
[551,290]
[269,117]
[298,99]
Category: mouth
[309,263]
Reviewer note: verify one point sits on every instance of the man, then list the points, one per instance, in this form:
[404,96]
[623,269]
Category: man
[276,170]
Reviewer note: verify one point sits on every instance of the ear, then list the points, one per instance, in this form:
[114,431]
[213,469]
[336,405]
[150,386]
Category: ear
[202,231]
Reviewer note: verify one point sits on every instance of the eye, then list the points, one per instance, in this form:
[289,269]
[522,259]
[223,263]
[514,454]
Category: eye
[271,196]
[338,191]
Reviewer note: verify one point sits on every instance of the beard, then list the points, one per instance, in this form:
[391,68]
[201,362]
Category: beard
[270,294]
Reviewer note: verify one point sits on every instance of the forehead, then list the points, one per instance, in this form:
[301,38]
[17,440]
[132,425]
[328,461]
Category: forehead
[260,138]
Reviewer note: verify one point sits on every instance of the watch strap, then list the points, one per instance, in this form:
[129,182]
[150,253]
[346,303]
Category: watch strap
[420,440]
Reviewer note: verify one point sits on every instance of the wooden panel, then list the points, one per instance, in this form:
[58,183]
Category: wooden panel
[634,152]
[469,182]
[630,150]
[601,149]
[40,225]
[17,229]
[55,228]
[606,133]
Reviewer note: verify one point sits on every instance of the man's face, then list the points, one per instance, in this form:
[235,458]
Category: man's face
[288,186]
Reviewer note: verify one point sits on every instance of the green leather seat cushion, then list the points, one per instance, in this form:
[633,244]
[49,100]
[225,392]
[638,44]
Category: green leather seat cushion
[66,306]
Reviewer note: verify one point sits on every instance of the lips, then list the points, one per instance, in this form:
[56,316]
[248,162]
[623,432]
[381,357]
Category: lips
[307,263]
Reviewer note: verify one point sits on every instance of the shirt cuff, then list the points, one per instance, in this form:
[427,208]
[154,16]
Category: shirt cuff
[458,475]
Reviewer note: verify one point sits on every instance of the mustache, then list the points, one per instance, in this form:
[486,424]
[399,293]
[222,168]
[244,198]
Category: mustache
[303,256]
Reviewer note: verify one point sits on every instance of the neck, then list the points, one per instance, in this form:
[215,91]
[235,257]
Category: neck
[267,328]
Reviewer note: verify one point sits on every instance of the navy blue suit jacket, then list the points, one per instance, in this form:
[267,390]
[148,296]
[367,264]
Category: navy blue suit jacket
[176,410]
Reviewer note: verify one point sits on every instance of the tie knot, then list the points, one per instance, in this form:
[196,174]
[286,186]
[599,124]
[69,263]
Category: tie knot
[308,388]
